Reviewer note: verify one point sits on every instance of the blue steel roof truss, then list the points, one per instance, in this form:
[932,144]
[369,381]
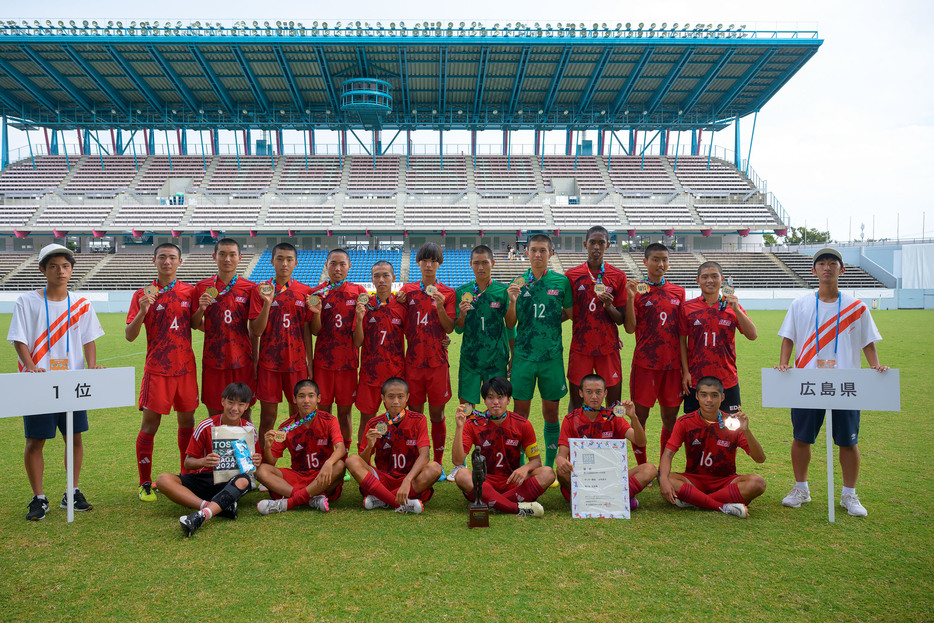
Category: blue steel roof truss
[174,78]
[623,96]
[28,85]
[327,79]
[705,82]
[158,108]
[294,92]
[595,79]
[481,79]
[117,101]
[520,78]
[258,93]
[404,78]
[223,95]
[75,94]
[669,80]
[556,80]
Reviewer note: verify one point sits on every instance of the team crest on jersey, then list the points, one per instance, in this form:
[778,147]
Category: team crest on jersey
[723,442]
[299,303]
[240,299]
[186,303]
[411,442]
[512,442]
[606,434]
[726,323]
[396,321]
[696,442]
[322,442]
[350,302]
[674,301]
[495,305]
[552,293]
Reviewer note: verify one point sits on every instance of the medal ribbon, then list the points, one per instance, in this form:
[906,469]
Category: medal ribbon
[275,286]
[476,290]
[295,425]
[379,303]
[530,278]
[166,288]
[599,277]
[227,287]
[652,283]
[331,287]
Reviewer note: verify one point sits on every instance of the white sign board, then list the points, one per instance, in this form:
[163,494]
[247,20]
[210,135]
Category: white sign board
[864,389]
[66,390]
[600,480]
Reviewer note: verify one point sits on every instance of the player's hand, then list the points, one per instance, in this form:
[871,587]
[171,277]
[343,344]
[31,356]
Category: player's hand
[257,459]
[269,438]
[686,383]
[402,495]
[325,476]
[630,407]
[743,421]
[631,287]
[268,298]
[371,436]
[360,310]
[606,298]
[783,367]
[35,370]
[880,368]
[204,301]
[563,467]
[211,460]
[464,306]
[98,367]
[733,301]
[513,291]
[445,342]
[518,477]
[438,298]
[460,416]
[145,302]
[400,296]
[667,490]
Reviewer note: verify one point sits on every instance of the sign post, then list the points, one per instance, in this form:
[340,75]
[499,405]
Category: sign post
[68,391]
[859,389]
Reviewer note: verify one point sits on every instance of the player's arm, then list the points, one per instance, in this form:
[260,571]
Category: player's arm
[563,465]
[134,326]
[402,495]
[90,356]
[458,454]
[755,448]
[513,292]
[685,370]
[371,436]
[567,314]
[636,433]
[461,312]
[629,320]
[784,357]
[326,475]
[522,473]
[314,320]
[269,439]
[258,324]
[746,325]
[23,351]
[447,323]
[210,460]
[197,318]
[615,314]
[358,335]
[664,471]
[872,357]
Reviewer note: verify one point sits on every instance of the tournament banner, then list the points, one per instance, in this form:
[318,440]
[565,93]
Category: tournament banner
[600,478]
[225,440]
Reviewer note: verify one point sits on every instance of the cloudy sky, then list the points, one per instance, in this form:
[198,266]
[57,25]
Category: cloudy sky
[849,140]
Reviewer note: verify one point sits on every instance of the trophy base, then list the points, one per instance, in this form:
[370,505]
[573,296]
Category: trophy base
[479,516]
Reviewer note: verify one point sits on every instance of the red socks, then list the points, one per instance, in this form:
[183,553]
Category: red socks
[691,495]
[528,491]
[439,432]
[665,435]
[299,497]
[144,443]
[728,495]
[372,486]
[634,487]
[184,436]
[497,500]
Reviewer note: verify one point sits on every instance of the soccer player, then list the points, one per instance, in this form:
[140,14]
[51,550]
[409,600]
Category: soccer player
[539,306]
[502,437]
[195,487]
[845,328]
[401,476]
[481,318]
[656,360]
[592,420]
[708,338]
[710,480]
[229,346]
[332,320]
[279,320]
[315,443]
[169,375]
[49,331]
[380,331]
[429,318]
[599,291]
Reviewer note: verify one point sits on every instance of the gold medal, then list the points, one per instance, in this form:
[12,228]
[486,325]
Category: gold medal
[212,292]
[313,300]
[382,428]
[599,288]
[468,296]
[520,281]
[150,290]
[279,435]
[619,410]
[642,288]
[266,289]
[731,423]
[728,290]
[431,290]
[363,298]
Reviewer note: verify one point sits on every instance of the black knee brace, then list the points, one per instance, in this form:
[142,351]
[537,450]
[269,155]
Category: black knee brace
[231,493]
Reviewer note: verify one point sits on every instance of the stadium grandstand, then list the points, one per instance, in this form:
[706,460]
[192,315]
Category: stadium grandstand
[123,124]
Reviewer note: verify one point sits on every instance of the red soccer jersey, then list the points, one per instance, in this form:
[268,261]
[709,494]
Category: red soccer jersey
[658,345]
[227,344]
[168,331]
[396,452]
[577,425]
[200,445]
[383,353]
[501,445]
[310,444]
[334,349]
[282,346]
[711,341]
[710,450]
[423,329]
[593,334]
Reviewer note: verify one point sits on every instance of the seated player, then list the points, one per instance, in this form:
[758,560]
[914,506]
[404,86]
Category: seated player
[401,476]
[710,480]
[315,442]
[502,436]
[594,421]
[195,488]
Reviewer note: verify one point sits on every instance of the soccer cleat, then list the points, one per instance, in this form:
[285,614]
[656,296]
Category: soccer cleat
[371,502]
[319,503]
[231,512]
[633,504]
[190,523]
[81,503]
[37,509]
[146,494]
[347,476]
[683,504]
[530,509]
[739,510]
[412,507]
[796,497]
[267,507]
[443,477]
[454,471]
[850,501]
[554,484]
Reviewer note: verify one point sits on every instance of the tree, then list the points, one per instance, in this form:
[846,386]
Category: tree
[799,235]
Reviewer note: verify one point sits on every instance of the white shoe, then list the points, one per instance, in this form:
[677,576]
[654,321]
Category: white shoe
[456,469]
[683,504]
[739,510]
[796,497]
[412,507]
[371,501]
[850,501]
[266,507]
[319,503]
[530,509]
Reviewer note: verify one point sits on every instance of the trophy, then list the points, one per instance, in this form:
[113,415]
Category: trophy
[479,512]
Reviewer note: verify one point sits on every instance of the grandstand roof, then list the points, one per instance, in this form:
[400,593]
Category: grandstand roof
[239,76]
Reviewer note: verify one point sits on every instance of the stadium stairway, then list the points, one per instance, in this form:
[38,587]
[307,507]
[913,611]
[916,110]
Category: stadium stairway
[666,164]
[405,268]
[94,270]
[14,264]
[798,280]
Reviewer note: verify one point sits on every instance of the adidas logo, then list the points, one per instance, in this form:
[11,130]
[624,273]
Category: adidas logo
[486,444]
[581,288]
[526,293]
[160,307]
[275,304]
[145,461]
[564,387]
[299,447]
[615,376]
[328,306]
[372,320]
[411,302]
[648,304]
[696,442]
[697,323]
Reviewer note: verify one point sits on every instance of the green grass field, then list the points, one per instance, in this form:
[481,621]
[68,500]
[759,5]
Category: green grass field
[126,560]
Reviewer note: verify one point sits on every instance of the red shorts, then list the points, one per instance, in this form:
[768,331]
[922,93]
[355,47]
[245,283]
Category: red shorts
[393,484]
[369,398]
[340,385]
[161,393]
[646,386]
[431,383]
[270,384]
[607,366]
[303,479]
[709,484]
[213,383]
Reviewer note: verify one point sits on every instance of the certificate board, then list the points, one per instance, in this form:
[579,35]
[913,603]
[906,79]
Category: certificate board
[600,478]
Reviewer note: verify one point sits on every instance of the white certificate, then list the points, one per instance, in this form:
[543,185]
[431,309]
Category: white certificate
[600,480]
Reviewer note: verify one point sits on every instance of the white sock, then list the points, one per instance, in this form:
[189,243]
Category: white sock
[41,496]
[802,485]
[848,491]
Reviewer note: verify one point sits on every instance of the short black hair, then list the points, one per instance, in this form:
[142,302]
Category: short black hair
[592,377]
[711,381]
[498,385]
[710,264]
[541,238]
[333,251]
[227,241]
[239,392]
[430,251]
[655,246]
[167,245]
[481,249]
[285,246]
[68,256]
[393,381]
[384,263]
[597,229]
[305,383]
